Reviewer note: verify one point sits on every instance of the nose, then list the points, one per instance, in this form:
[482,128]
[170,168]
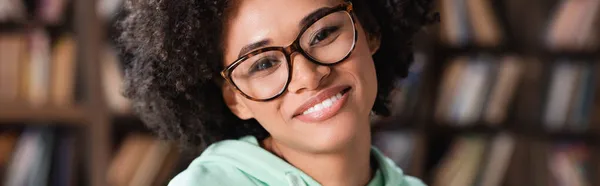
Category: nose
[306,75]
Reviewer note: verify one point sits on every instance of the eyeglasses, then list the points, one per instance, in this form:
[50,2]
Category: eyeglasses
[264,74]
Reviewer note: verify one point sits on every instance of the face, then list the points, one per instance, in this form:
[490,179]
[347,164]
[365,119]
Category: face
[323,108]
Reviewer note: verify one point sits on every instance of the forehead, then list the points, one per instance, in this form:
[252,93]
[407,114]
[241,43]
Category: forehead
[277,20]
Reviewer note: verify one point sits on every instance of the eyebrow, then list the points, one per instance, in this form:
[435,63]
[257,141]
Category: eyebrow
[313,15]
[255,45]
[303,23]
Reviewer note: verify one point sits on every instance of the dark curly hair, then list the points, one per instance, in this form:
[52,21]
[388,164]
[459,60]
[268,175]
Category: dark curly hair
[173,53]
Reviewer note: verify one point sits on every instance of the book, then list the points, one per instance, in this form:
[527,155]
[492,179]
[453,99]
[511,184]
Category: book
[63,72]
[499,155]
[471,91]
[12,47]
[24,78]
[127,160]
[446,169]
[28,165]
[471,159]
[40,170]
[455,22]
[567,165]
[447,92]
[486,30]
[573,26]
[8,142]
[65,160]
[459,166]
[151,163]
[39,69]
[562,85]
[579,111]
[503,90]
[23,158]
[588,36]
[168,167]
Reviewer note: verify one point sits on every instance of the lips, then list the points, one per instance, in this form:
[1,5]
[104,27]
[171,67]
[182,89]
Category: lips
[323,105]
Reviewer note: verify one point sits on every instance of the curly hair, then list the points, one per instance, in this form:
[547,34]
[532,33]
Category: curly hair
[173,53]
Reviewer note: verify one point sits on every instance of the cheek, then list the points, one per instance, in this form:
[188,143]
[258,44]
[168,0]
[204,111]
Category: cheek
[268,114]
[366,75]
[362,67]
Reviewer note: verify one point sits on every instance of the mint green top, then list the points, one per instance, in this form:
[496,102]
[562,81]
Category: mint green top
[243,162]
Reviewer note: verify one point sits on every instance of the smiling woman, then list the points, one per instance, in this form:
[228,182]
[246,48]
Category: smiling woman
[280,95]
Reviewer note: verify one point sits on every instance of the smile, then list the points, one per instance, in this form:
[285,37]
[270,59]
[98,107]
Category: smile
[324,105]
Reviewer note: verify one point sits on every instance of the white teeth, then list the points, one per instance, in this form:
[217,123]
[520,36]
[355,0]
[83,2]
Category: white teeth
[324,104]
[328,102]
[319,106]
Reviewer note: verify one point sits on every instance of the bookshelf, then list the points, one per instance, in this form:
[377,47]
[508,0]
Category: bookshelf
[89,115]
[16,113]
[465,62]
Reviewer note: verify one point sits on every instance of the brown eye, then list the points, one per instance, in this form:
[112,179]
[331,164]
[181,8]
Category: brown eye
[264,64]
[323,34]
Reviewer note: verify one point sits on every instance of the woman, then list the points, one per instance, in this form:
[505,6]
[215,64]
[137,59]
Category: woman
[281,92]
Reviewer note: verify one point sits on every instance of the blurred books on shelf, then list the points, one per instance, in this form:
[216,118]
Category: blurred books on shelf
[36,74]
[495,161]
[142,161]
[571,91]
[575,25]
[63,72]
[33,73]
[481,89]
[45,155]
[460,166]
[13,49]
[469,21]
[8,142]
[38,69]
[42,155]
[569,165]
[477,88]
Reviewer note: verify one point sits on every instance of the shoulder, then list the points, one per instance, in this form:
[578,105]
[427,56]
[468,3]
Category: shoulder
[211,174]
[394,176]
[412,181]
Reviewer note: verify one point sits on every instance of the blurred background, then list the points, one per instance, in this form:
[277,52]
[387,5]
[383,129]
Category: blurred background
[501,92]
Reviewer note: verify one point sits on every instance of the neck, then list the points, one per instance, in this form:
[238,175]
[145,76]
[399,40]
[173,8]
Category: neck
[348,166]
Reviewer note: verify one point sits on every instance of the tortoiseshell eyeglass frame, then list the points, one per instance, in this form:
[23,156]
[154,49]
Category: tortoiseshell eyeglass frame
[290,49]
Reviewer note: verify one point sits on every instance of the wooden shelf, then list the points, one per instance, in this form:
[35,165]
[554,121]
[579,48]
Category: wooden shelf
[74,115]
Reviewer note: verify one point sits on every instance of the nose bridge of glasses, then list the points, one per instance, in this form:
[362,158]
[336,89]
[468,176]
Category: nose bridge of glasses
[289,50]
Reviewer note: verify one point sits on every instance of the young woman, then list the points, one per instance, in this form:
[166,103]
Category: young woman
[280,92]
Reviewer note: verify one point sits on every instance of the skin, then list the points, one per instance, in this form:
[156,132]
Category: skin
[335,151]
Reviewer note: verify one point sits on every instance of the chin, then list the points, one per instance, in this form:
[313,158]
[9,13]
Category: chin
[336,134]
